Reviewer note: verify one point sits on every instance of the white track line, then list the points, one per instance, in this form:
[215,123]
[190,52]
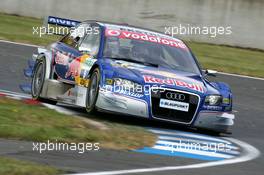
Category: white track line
[192,151]
[250,153]
[241,76]
[22,44]
[176,139]
[207,138]
[61,109]
[178,147]
[15,94]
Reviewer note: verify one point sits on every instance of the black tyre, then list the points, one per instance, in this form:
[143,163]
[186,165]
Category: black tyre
[92,91]
[38,81]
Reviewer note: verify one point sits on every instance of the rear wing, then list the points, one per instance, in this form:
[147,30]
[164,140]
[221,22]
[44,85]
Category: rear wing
[54,25]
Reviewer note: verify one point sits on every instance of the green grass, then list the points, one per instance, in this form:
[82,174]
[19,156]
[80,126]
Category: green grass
[38,123]
[230,59]
[20,29]
[221,58]
[10,166]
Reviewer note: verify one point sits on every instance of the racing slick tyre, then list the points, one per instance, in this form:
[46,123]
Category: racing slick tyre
[38,81]
[92,91]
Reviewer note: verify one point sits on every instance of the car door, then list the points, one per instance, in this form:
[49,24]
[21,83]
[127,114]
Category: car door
[66,51]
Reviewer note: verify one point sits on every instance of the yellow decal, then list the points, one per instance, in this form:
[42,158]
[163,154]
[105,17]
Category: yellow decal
[81,81]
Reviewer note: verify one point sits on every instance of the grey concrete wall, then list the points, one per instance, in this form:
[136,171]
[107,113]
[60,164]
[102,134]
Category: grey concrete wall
[246,17]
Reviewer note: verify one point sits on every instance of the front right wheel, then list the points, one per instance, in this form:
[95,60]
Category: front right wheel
[38,82]
[92,91]
[38,79]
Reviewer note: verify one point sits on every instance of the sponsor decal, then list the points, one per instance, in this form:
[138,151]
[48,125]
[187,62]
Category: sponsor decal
[138,30]
[89,62]
[82,82]
[77,64]
[176,105]
[213,108]
[83,79]
[74,68]
[62,21]
[61,59]
[144,37]
[132,94]
[175,96]
[173,82]
[79,69]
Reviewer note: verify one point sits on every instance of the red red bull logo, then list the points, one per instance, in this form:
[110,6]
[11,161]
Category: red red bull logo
[173,82]
[74,68]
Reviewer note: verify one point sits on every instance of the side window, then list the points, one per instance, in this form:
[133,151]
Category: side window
[91,42]
[76,35]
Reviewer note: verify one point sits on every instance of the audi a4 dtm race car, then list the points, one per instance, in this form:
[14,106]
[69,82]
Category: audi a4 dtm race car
[129,70]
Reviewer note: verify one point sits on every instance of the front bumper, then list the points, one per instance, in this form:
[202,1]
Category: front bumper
[216,121]
[118,103]
[123,104]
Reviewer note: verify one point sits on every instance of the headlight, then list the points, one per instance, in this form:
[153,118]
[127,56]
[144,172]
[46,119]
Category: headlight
[127,85]
[213,100]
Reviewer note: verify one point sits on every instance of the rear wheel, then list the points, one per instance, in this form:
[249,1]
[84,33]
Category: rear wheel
[38,82]
[92,91]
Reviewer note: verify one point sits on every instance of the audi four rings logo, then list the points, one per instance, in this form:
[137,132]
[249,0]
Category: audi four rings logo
[175,96]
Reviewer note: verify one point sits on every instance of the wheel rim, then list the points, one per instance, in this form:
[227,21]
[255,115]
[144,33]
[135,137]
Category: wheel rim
[93,89]
[38,80]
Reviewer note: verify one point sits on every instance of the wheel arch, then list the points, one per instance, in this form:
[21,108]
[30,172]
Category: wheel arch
[96,65]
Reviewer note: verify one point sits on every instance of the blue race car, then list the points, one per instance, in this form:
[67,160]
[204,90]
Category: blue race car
[129,70]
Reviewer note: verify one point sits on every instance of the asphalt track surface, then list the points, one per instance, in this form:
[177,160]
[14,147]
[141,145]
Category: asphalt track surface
[248,104]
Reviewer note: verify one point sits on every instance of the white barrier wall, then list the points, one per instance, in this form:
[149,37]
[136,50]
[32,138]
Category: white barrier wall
[244,16]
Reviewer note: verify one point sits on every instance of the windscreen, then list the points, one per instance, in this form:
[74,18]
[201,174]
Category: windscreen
[163,52]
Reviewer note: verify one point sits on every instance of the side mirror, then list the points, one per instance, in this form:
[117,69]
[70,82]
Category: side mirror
[76,40]
[209,72]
